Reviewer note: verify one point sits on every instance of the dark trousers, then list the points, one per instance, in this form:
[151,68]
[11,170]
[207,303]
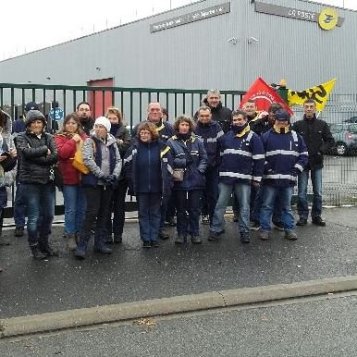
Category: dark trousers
[117,208]
[98,201]
[210,193]
[188,201]
[149,209]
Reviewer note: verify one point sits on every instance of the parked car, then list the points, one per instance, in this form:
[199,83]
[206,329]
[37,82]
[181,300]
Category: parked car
[351,120]
[345,136]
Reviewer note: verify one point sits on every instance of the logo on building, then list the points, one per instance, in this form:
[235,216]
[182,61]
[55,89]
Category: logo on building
[328,19]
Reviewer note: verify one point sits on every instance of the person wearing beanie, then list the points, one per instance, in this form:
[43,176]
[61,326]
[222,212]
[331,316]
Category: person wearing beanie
[241,167]
[190,156]
[285,157]
[37,153]
[101,156]
[117,204]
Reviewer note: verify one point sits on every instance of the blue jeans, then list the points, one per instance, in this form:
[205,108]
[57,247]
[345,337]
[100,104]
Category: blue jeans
[302,205]
[242,194]
[269,198]
[20,206]
[255,215]
[149,211]
[40,202]
[188,212]
[74,208]
[210,193]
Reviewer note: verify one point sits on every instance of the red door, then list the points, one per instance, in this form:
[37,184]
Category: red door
[100,100]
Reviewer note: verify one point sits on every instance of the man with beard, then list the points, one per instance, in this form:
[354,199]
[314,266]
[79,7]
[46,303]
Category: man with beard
[85,116]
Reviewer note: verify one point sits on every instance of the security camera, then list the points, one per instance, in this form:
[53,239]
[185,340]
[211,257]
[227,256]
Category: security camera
[252,39]
[233,40]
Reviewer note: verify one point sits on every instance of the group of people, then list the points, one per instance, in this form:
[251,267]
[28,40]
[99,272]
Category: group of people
[190,169]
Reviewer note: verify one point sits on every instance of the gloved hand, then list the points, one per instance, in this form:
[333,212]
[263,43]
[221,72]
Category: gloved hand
[110,180]
[295,172]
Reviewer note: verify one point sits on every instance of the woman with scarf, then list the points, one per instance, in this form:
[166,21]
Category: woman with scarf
[101,156]
[67,142]
[190,156]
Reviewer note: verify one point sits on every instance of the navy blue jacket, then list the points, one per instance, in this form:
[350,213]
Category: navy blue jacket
[132,170]
[242,157]
[209,135]
[285,156]
[191,156]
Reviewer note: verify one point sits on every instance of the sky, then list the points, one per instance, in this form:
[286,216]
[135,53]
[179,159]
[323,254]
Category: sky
[26,25]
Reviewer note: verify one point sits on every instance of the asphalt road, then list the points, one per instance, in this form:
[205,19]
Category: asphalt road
[309,327]
[132,274]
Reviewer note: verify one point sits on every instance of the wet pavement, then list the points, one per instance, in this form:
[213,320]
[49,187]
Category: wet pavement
[132,273]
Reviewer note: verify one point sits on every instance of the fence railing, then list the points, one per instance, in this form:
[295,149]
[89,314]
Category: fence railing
[340,188]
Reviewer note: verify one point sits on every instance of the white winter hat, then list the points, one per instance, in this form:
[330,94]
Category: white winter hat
[103,121]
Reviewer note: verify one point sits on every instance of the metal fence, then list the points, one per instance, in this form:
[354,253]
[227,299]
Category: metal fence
[340,173]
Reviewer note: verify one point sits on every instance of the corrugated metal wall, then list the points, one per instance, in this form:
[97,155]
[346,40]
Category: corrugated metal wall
[199,55]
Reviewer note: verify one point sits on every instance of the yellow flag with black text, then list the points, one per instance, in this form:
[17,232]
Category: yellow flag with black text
[318,93]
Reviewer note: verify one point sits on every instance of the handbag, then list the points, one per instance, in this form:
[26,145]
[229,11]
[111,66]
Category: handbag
[177,175]
[56,175]
[77,162]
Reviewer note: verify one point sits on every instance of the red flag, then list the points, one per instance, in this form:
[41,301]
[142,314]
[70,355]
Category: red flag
[264,96]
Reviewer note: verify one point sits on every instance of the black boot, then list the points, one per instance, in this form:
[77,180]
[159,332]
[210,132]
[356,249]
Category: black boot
[45,248]
[80,252]
[36,253]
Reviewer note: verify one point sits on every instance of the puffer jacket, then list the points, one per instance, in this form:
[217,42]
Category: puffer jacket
[318,139]
[191,156]
[34,163]
[67,147]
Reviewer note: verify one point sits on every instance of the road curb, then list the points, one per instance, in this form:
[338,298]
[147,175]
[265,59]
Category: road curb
[46,322]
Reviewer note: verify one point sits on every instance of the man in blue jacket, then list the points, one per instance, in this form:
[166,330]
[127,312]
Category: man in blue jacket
[285,157]
[242,162]
[209,131]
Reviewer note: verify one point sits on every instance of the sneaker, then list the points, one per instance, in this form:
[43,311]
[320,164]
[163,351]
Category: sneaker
[279,226]
[155,243]
[205,219]
[19,232]
[214,236]
[146,244]
[318,221]
[163,234]
[103,250]
[301,222]
[264,235]
[196,239]
[37,254]
[245,237]
[180,239]
[290,235]
[254,226]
